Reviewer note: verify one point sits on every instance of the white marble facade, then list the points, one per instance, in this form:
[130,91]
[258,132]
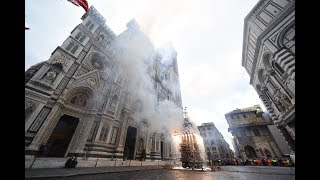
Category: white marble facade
[269,58]
[83,83]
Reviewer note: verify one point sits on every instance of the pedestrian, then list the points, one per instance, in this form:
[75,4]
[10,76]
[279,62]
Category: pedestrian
[74,162]
[69,162]
[269,162]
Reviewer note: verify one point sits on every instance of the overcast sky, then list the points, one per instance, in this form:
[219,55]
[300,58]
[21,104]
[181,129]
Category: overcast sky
[207,35]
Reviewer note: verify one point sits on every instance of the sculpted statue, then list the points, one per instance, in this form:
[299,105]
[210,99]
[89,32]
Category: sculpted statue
[281,100]
[291,85]
[141,143]
[51,75]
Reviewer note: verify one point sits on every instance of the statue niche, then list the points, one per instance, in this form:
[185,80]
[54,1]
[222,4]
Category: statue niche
[52,73]
[281,100]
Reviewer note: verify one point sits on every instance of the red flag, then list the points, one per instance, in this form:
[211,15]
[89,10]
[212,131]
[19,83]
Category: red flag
[82,3]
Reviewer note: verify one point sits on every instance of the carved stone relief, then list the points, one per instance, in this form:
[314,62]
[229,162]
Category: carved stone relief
[81,71]
[281,100]
[80,100]
[64,62]
[29,108]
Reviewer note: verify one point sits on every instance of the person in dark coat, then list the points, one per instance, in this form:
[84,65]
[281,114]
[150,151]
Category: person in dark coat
[74,162]
[69,163]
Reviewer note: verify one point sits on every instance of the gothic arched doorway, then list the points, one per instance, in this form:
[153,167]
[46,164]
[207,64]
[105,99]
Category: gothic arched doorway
[61,136]
[250,152]
[130,142]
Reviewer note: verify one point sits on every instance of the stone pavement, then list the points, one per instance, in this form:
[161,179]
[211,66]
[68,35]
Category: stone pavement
[260,169]
[64,172]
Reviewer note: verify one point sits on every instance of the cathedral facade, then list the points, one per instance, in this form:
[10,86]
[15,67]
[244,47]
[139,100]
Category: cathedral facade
[269,58]
[89,98]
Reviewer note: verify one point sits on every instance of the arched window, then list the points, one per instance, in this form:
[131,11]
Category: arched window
[82,38]
[71,44]
[104,133]
[287,37]
[91,26]
[101,38]
[114,102]
[74,49]
[78,35]
[88,23]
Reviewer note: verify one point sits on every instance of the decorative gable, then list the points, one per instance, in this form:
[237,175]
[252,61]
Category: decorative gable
[90,80]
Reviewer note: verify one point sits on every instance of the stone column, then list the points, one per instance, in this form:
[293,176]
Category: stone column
[287,137]
[97,134]
[291,132]
[147,143]
[157,143]
[166,147]
[81,135]
[119,146]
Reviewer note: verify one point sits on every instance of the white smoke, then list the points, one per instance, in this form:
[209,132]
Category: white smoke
[135,55]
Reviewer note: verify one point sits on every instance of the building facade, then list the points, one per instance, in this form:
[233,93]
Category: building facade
[88,100]
[269,58]
[216,148]
[252,138]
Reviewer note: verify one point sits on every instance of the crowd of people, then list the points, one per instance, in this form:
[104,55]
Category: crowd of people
[287,162]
